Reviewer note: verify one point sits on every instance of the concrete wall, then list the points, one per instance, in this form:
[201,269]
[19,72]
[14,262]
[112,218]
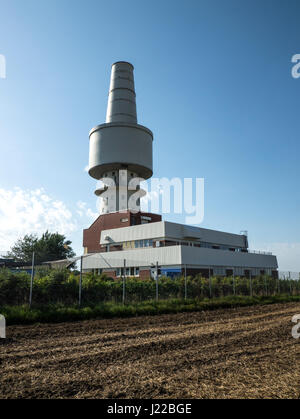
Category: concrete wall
[142,257]
[180,255]
[211,257]
[175,231]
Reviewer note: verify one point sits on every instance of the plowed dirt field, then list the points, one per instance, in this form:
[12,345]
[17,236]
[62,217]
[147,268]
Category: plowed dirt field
[246,353]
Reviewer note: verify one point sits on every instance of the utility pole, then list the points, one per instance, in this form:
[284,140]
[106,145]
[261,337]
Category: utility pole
[31,280]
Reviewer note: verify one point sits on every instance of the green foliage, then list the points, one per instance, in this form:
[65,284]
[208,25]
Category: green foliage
[57,286]
[51,246]
[60,313]
[14,287]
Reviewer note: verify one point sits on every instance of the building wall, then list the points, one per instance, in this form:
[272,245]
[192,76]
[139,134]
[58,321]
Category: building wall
[91,235]
[111,274]
[194,258]
[173,231]
[143,257]
[211,257]
[144,273]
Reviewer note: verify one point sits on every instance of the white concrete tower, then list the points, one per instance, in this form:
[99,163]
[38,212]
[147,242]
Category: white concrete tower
[120,149]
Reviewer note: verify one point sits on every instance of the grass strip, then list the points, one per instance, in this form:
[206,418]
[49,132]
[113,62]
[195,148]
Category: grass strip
[19,315]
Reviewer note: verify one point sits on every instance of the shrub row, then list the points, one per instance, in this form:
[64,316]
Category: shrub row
[61,287]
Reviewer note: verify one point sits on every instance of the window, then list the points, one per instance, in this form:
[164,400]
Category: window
[118,273]
[124,220]
[127,271]
[137,271]
[131,271]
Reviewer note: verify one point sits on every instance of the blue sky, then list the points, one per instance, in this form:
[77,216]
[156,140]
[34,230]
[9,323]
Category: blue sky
[214,84]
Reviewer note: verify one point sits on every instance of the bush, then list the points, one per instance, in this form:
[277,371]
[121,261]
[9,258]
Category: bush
[53,286]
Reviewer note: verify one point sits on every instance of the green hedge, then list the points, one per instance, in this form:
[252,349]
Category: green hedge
[61,287]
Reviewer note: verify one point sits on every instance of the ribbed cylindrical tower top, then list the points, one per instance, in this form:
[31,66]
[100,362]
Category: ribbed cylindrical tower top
[121,105]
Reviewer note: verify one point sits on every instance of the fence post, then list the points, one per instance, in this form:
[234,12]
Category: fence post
[80,282]
[265,282]
[31,281]
[185,283]
[210,287]
[251,290]
[124,278]
[156,281]
[233,279]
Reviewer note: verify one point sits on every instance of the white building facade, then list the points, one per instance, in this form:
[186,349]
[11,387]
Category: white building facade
[176,248]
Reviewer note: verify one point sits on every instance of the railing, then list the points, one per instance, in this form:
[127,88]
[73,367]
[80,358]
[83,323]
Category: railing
[186,243]
[287,275]
[260,252]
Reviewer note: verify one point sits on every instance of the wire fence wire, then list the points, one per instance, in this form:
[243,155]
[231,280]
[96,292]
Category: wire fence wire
[60,286]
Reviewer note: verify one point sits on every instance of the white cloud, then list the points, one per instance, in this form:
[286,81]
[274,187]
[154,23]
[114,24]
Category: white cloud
[31,211]
[84,211]
[34,211]
[288,254]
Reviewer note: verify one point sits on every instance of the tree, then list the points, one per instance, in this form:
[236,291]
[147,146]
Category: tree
[23,248]
[51,246]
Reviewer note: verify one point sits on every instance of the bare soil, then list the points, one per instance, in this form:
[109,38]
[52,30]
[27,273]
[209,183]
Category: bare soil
[238,353]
